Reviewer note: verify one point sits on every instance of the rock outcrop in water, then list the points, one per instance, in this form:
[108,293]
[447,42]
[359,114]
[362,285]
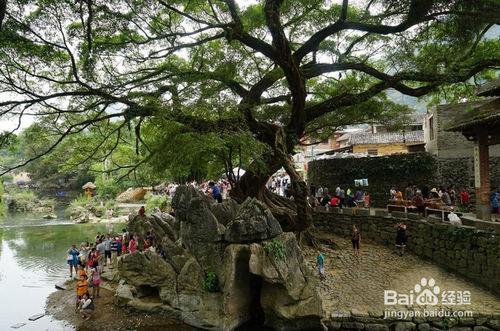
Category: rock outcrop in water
[225,265]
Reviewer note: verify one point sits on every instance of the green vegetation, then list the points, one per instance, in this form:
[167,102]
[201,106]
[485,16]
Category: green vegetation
[153,201]
[23,200]
[3,204]
[95,205]
[276,249]
[211,283]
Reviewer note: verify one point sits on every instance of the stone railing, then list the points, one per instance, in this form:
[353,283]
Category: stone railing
[468,251]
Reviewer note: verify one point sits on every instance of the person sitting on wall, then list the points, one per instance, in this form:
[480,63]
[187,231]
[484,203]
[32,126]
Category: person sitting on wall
[325,200]
[359,198]
[399,197]
[419,202]
[434,194]
[335,201]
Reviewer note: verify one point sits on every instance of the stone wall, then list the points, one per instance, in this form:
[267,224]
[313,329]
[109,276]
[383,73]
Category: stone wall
[460,171]
[398,170]
[375,322]
[472,253]
[451,144]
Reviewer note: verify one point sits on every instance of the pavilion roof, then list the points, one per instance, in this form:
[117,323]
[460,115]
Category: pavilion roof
[484,115]
[490,89]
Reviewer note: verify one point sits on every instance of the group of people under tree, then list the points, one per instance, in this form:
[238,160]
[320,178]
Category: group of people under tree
[321,196]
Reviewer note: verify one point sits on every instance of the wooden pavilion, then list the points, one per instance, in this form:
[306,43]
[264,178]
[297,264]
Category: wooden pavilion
[481,124]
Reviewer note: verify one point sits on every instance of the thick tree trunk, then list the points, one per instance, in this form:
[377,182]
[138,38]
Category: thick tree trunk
[293,215]
[3,8]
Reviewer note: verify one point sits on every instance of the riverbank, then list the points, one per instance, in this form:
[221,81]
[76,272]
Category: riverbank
[108,316]
[112,220]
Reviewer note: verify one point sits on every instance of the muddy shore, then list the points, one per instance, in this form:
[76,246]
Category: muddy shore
[61,306]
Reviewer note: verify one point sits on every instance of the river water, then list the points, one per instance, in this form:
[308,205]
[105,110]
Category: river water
[32,261]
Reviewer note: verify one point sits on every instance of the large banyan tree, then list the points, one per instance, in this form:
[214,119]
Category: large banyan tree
[270,73]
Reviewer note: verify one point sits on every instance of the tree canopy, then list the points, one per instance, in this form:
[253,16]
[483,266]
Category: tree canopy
[224,77]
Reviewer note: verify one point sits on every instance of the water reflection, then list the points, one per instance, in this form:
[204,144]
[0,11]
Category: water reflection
[32,260]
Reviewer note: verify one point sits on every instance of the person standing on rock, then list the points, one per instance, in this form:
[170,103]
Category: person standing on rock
[320,261]
[142,211]
[107,249]
[96,281]
[132,244]
[215,192]
[355,239]
[101,249]
[72,260]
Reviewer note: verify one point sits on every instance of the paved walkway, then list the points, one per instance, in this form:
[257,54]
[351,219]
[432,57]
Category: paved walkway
[358,283]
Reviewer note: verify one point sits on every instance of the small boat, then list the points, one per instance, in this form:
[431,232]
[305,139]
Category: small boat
[61,286]
[18,325]
[35,317]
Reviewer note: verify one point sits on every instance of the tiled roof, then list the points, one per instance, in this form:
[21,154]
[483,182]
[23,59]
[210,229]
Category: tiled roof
[384,137]
[486,114]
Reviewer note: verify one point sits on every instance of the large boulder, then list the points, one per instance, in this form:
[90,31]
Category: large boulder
[253,222]
[132,194]
[289,292]
[226,211]
[146,269]
[259,269]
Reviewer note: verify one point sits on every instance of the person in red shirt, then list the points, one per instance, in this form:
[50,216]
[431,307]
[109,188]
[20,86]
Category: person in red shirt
[464,196]
[335,201]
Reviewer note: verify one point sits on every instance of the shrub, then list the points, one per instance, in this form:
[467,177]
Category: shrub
[211,283]
[27,201]
[95,205]
[276,248]
[157,201]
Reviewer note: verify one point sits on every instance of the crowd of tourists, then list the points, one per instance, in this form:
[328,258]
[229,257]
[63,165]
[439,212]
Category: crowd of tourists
[280,184]
[87,261]
[447,196]
[340,197]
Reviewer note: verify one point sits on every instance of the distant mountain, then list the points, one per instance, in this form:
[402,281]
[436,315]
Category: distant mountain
[418,105]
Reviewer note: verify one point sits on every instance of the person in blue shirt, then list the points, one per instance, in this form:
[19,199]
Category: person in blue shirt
[215,192]
[320,261]
[494,199]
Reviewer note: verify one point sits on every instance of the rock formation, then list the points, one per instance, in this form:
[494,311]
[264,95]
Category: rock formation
[224,265]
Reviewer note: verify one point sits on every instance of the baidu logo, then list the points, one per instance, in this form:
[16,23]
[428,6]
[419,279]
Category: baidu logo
[427,293]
